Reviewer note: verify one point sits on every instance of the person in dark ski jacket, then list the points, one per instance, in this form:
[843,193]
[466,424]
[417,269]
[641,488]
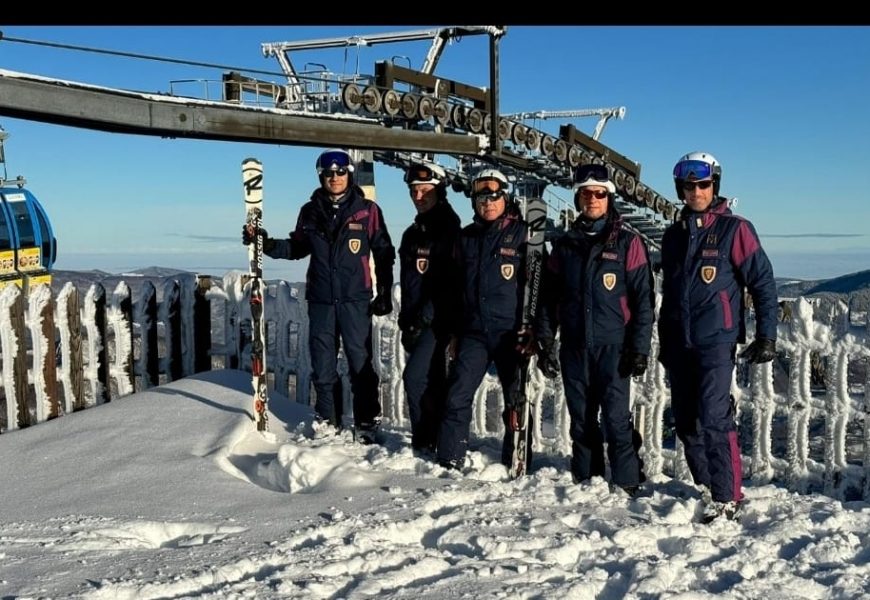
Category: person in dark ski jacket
[338,228]
[709,258]
[601,295]
[431,300]
[491,254]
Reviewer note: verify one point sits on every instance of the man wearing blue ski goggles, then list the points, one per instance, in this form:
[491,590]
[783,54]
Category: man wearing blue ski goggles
[693,169]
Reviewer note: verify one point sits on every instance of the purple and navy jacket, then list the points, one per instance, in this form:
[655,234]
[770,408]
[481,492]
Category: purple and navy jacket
[600,289]
[339,243]
[708,260]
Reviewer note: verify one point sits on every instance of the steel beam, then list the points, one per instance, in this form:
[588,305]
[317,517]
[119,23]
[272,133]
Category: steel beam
[122,111]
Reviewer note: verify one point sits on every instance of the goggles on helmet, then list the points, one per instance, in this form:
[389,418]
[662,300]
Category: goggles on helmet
[591,171]
[333,161]
[693,169]
[421,174]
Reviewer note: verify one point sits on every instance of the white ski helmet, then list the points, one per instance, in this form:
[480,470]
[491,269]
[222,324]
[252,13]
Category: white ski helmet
[425,173]
[697,166]
[491,175]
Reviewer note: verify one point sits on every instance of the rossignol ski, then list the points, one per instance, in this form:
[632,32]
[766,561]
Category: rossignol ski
[252,180]
[518,415]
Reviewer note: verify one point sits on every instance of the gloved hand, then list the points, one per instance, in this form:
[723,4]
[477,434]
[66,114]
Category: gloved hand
[761,350]
[632,364]
[526,342]
[548,359]
[383,302]
[248,235]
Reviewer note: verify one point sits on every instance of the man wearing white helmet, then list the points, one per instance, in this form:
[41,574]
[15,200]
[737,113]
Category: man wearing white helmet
[431,300]
[491,254]
[709,258]
[338,228]
[601,296]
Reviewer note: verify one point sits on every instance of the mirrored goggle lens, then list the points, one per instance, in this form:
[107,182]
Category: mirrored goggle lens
[337,159]
[591,171]
[487,185]
[587,193]
[420,175]
[487,196]
[693,169]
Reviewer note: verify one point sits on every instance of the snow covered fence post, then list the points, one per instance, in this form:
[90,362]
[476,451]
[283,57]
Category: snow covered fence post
[145,314]
[40,319]
[12,346]
[763,405]
[69,323]
[120,318]
[837,402]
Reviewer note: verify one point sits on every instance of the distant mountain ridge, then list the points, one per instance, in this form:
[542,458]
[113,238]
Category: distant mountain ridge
[844,284]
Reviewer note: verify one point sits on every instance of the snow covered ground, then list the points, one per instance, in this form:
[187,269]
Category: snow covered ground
[170,493]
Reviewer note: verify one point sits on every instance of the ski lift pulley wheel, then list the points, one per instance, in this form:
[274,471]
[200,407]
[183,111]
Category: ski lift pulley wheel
[533,140]
[487,124]
[505,128]
[518,134]
[426,108]
[561,151]
[575,155]
[458,116]
[392,103]
[442,112]
[474,118]
[409,105]
[548,145]
[371,99]
[352,96]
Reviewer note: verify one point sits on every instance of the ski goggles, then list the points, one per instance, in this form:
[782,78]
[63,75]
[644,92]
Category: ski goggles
[591,171]
[694,169]
[328,173]
[484,196]
[421,174]
[334,160]
[701,185]
[587,193]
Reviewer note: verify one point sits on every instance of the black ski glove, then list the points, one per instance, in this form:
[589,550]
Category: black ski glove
[761,350]
[383,302]
[632,364]
[247,239]
[548,359]
[411,332]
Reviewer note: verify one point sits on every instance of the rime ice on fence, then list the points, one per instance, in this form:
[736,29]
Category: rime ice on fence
[9,343]
[120,369]
[790,411]
[40,321]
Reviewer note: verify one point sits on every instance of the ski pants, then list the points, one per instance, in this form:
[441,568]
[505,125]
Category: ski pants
[425,379]
[475,353]
[704,416]
[350,324]
[592,382]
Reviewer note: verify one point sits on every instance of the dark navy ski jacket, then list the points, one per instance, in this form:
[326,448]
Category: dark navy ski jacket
[601,289]
[339,243]
[430,277]
[708,260]
[492,256]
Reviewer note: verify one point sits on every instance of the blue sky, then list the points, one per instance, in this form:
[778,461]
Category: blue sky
[783,108]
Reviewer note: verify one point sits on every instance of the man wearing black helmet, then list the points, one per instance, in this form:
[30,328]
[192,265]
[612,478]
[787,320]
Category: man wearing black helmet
[431,300]
[601,295]
[338,228]
[491,254]
[709,258]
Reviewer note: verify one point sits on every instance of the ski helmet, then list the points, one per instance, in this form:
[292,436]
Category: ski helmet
[425,173]
[335,159]
[697,166]
[502,185]
[593,174]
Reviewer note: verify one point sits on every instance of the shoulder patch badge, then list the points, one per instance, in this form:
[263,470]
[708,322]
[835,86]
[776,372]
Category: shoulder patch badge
[609,280]
[354,245]
[708,274]
[507,271]
[422,265]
